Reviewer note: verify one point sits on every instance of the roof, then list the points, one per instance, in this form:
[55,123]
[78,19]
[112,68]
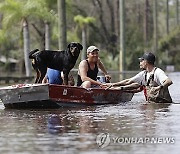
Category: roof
[3,59]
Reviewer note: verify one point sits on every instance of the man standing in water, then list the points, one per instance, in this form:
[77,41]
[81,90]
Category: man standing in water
[153,79]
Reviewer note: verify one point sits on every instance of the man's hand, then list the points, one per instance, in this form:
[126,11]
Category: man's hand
[108,85]
[155,89]
[104,86]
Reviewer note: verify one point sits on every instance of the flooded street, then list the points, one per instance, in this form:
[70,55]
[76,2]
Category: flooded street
[131,127]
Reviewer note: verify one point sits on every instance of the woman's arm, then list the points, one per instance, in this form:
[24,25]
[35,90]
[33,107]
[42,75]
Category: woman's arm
[101,66]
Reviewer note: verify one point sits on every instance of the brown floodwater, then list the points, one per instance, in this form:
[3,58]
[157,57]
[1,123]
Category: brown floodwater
[131,127]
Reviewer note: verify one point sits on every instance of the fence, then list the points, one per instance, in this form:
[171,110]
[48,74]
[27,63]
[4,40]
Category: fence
[13,80]
[116,76]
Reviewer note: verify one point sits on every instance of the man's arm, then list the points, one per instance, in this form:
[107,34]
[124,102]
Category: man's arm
[132,86]
[163,79]
[166,83]
[101,66]
[122,83]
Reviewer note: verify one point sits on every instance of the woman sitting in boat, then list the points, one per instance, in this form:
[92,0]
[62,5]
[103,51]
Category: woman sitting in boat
[56,77]
[88,70]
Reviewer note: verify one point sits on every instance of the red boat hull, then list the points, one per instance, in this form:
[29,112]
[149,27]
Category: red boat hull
[54,96]
[87,96]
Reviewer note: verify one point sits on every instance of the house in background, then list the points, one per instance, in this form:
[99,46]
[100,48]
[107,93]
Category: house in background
[9,64]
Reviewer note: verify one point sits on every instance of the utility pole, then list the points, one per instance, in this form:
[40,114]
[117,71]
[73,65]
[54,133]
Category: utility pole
[122,38]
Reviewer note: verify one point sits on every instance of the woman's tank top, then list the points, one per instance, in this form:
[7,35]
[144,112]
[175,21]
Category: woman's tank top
[90,73]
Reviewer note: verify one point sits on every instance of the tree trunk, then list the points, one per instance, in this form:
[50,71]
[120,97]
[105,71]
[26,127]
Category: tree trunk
[117,19]
[111,10]
[47,36]
[177,12]
[26,48]
[146,19]
[155,25]
[1,17]
[98,4]
[62,24]
[83,54]
[122,38]
[167,16]
[113,35]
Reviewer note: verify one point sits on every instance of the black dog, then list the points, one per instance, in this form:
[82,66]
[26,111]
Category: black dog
[59,60]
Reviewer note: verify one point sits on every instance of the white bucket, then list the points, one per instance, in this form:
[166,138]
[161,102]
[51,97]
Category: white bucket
[101,79]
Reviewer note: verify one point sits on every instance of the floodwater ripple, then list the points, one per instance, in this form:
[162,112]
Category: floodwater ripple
[75,130]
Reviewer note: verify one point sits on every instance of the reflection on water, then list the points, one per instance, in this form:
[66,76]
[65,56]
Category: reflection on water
[75,130]
[54,124]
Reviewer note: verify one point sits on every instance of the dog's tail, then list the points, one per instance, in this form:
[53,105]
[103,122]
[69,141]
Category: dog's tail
[31,53]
